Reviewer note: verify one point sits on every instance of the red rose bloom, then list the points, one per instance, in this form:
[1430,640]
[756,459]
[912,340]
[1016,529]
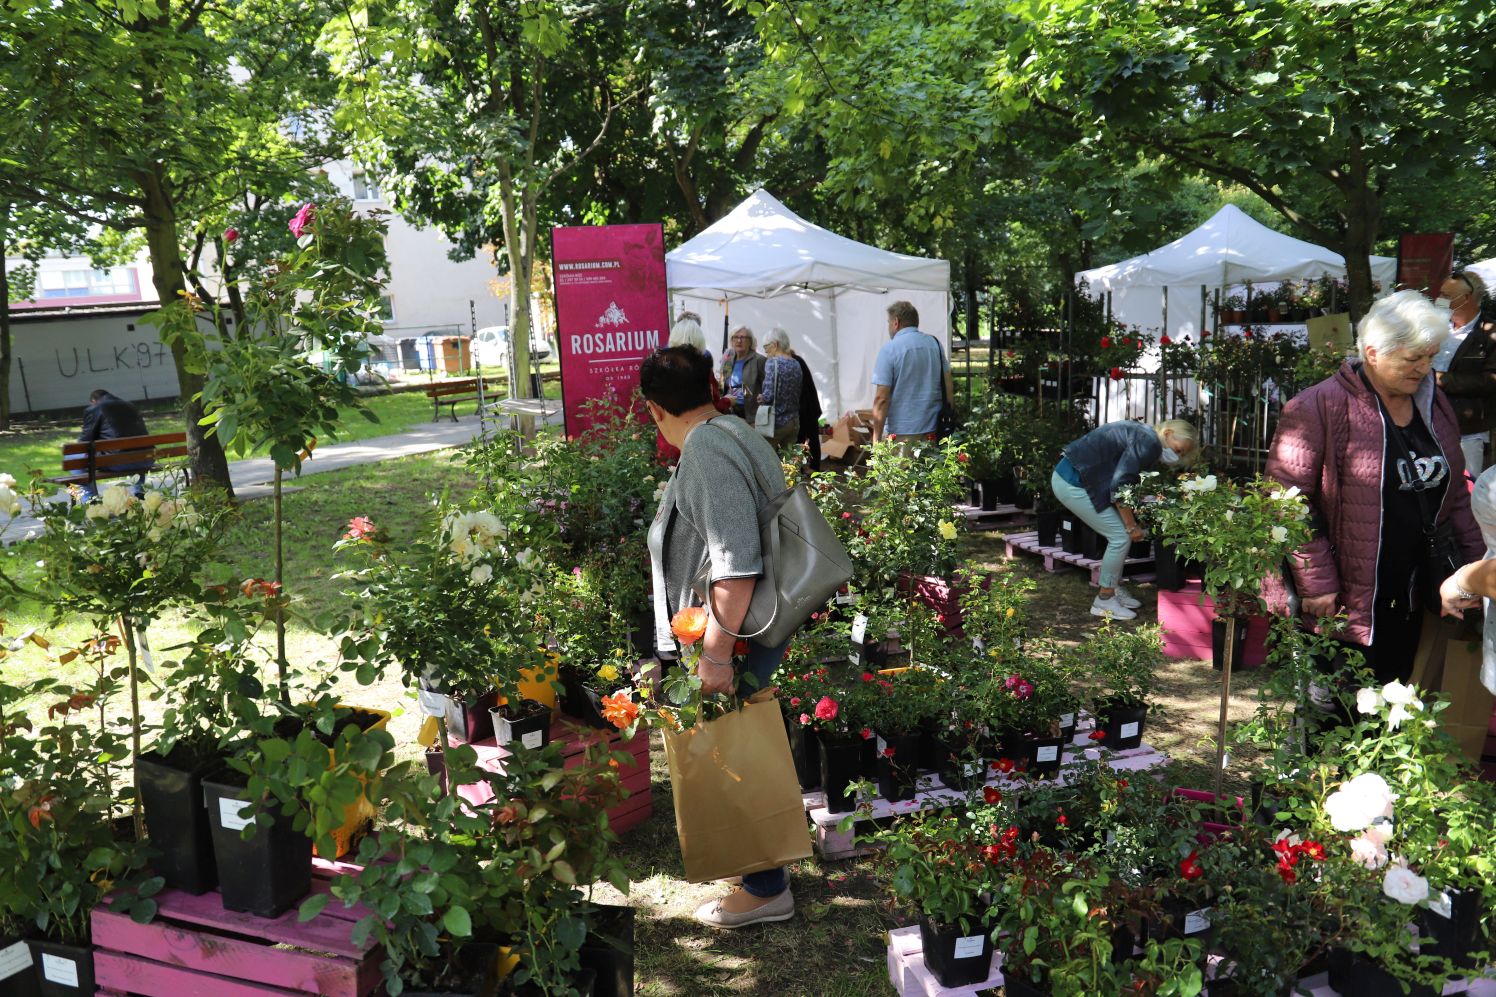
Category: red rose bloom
[1004,765]
[826,709]
[1116,374]
[867,734]
[1189,867]
[992,796]
[1106,342]
[888,751]
[1098,735]
[1165,341]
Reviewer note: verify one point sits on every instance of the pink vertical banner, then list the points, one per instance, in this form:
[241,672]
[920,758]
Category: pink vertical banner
[612,310]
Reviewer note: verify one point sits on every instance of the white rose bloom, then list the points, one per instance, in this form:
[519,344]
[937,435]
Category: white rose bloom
[1280,534]
[1368,700]
[153,500]
[187,519]
[1404,885]
[9,502]
[482,574]
[1398,694]
[7,481]
[524,557]
[154,533]
[1359,802]
[116,499]
[1380,831]
[1281,495]
[96,510]
[1396,716]
[1368,851]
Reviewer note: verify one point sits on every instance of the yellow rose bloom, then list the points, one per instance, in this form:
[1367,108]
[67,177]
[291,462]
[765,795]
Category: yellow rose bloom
[948,530]
[608,672]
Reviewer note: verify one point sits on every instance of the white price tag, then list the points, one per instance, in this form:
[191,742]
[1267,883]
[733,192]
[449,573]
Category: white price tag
[1048,753]
[231,814]
[970,769]
[1066,524]
[859,628]
[970,946]
[56,969]
[1067,719]
[1197,921]
[1443,905]
[854,658]
[882,745]
[533,739]
[14,959]
[845,598]
[1129,730]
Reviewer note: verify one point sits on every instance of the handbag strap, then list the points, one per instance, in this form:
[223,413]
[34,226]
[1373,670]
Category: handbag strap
[945,399]
[1430,523]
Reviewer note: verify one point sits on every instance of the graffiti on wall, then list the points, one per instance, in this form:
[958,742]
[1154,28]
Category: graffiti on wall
[131,356]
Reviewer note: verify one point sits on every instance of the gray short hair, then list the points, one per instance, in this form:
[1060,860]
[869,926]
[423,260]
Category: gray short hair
[687,332]
[752,339]
[779,339]
[1404,320]
[1474,281]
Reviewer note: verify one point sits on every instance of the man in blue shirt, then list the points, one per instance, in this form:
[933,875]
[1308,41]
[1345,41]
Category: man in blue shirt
[908,376]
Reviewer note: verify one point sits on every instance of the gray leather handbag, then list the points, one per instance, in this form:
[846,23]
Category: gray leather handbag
[804,564]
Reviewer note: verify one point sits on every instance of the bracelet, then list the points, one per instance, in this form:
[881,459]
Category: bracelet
[719,664]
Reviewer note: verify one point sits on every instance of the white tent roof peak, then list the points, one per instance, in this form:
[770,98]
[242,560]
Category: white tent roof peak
[762,249]
[1231,248]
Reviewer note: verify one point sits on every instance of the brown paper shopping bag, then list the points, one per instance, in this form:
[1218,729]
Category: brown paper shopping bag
[738,807]
[1448,661]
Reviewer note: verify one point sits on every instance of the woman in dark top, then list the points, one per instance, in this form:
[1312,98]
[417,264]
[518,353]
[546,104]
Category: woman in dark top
[1086,482]
[1375,448]
[810,413]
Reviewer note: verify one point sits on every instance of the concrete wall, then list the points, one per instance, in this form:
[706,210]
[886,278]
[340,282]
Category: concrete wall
[57,362]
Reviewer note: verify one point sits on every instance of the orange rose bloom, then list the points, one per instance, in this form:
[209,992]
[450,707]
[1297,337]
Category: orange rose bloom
[619,710]
[689,625]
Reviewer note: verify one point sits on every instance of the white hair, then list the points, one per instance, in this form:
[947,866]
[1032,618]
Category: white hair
[687,332]
[1405,320]
[778,338]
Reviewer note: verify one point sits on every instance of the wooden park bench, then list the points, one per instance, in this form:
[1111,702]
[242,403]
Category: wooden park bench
[451,394]
[89,463]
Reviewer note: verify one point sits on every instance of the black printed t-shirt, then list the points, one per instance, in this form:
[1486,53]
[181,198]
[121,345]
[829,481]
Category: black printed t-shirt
[1421,468]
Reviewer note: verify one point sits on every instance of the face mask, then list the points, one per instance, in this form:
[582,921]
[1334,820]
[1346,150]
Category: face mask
[1442,302]
[1169,456]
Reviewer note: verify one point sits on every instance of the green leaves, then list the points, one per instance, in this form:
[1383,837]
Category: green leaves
[458,922]
[312,906]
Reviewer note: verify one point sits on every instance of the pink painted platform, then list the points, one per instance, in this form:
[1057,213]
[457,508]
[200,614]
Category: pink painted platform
[635,810]
[196,948]
[1004,517]
[1134,569]
[1185,617]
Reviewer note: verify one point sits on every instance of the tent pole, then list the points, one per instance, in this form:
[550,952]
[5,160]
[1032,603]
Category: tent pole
[836,391]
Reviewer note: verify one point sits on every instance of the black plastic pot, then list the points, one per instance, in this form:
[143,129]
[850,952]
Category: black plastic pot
[581,701]
[955,958]
[841,763]
[898,774]
[583,982]
[1139,549]
[1067,722]
[477,969]
[171,794]
[527,726]
[609,950]
[990,495]
[267,874]
[1454,937]
[436,764]
[1048,526]
[961,767]
[931,749]
[1122,725]
[1044,754]
[1014,986]
[1353,973]
[805,749]
[1072,532]
[1168,569]
[471,721]
[18,973]
[1023,498]
[1181,919]
[1218,643]
[63,970]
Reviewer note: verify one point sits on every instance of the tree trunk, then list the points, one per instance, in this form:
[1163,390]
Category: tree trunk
[969,293]
[170,280]
[4,319]
[1363,210]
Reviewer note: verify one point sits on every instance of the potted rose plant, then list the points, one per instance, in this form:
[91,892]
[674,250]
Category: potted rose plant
[1123,666]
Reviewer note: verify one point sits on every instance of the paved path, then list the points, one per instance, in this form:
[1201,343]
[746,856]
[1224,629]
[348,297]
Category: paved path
[253,478]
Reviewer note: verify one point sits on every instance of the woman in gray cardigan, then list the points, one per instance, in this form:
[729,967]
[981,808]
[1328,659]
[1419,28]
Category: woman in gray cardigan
[1086,481]
[743,372]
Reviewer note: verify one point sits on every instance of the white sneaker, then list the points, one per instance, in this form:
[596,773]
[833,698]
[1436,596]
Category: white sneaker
[1126,599]
[1112,608]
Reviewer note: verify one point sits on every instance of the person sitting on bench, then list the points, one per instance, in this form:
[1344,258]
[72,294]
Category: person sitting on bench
[111,418]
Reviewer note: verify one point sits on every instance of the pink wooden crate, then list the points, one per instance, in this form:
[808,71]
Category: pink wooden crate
[1185,616]
[195,948]
[635,810]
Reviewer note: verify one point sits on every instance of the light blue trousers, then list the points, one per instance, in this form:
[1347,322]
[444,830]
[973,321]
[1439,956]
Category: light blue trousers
[1106,522]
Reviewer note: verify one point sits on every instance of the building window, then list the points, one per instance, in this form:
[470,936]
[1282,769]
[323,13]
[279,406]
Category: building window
[365,187]
[117,282]
[386,308]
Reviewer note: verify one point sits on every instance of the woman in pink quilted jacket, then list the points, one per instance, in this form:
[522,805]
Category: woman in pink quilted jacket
[1376,450]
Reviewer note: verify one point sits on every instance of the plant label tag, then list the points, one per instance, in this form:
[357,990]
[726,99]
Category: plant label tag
[1129,730]
[1067,719]
[1111,837]
[978,645]
[532,739]
[854,658]
[1197,921]
[970,769]
[969,947]
[844,597]
[1443,905]
[1066,524]
[882,745]
[14,959]
[231,814]
[63,972]
[859,628]
[1047,753]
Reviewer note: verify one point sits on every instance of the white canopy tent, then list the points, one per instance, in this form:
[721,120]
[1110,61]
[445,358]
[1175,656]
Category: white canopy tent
[762,265]
[1487,271]
[1168,288]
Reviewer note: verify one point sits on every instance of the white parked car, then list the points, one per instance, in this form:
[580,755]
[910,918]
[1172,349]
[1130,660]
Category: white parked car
[491,346]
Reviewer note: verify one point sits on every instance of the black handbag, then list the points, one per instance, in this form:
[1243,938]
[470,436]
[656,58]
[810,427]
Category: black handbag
[948,421]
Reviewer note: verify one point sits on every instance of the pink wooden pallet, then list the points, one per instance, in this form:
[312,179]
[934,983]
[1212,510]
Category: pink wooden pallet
[196,948]
[1004,517]
[1137,569]
[832,843]
[635,810]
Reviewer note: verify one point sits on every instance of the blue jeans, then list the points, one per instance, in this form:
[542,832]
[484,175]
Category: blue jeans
[1107,522]
[761,663]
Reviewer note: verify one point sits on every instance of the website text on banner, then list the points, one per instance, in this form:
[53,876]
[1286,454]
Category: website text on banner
[611,310]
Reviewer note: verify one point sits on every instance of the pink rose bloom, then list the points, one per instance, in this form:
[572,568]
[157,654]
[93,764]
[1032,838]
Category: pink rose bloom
[804,719]
[303,219]
[1368,851]
[826,709]
[230,234]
